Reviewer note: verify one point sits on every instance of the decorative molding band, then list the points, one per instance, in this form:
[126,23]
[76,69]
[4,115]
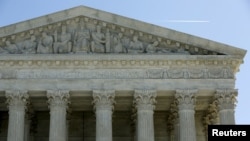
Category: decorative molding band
[170,73]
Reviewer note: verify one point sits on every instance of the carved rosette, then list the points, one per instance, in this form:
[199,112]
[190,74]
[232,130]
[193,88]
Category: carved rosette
[103,99]
[226,98]
[17,99]
[58,98]
[186,99]
[145,99]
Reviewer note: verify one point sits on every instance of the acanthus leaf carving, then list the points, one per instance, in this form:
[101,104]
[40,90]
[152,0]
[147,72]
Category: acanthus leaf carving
[145,99]
[17,98]
[58,98]
[186,98]
[103,99]
[172,116]
[226,98]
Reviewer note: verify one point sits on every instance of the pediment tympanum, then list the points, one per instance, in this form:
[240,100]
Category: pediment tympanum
[92,33]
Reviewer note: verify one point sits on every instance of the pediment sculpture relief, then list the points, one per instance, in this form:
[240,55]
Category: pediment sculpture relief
[84,35]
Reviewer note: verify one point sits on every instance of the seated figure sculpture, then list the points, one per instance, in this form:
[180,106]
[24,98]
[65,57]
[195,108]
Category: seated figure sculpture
[45,44]
[29,46]
[81,40]
[136,46]
[151,48]
[62,43]
[98,43]
[11,48]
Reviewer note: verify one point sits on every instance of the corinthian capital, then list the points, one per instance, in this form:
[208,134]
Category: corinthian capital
[103,98]
[226,98]
[16,97]
[186,98]
[145,98]
[58,98]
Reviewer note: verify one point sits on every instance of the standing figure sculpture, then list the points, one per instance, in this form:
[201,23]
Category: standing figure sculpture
[117,44]
[82,40]
[45,44]
[98,43]
[62,43]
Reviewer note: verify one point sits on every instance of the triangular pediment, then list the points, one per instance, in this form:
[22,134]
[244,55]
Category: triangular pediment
[76,30]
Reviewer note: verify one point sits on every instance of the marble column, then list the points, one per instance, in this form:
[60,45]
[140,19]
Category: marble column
[186,102]
[28,121]
[103,101]
[58,103]
[226,99]
[145,105]
[17,101]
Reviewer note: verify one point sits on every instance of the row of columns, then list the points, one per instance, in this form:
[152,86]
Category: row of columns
[104,100]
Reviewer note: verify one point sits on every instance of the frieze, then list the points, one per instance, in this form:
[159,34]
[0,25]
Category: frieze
[114,74]
[89,36]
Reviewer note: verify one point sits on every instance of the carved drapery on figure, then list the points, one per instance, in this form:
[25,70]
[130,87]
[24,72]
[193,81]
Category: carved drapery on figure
[86,35]
[226,100]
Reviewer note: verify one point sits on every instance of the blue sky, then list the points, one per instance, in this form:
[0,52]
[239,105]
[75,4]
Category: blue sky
[225,21]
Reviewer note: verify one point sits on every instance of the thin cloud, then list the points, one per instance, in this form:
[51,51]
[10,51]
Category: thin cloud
[188,21]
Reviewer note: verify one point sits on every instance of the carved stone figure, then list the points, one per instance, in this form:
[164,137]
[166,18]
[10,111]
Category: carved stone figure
[3,50]
[136,46]
[82,40]
[29,46]
[11,48]
[117,44]
[107,41]
[63,43]
[151,48]
[125,43]
[45,44]
[97,45]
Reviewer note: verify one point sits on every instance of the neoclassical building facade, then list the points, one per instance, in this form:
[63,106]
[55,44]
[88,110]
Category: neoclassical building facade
[87,75]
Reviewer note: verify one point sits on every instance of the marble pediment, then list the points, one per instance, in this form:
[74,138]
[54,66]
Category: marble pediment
[83,30]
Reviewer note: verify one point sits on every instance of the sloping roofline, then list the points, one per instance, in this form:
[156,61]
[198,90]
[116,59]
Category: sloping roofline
[121,21]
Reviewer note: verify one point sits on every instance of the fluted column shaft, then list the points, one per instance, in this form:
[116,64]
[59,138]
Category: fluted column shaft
[17,101]
[185,99]
[145,104]
[226,99]
[58,102]
[103,105]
